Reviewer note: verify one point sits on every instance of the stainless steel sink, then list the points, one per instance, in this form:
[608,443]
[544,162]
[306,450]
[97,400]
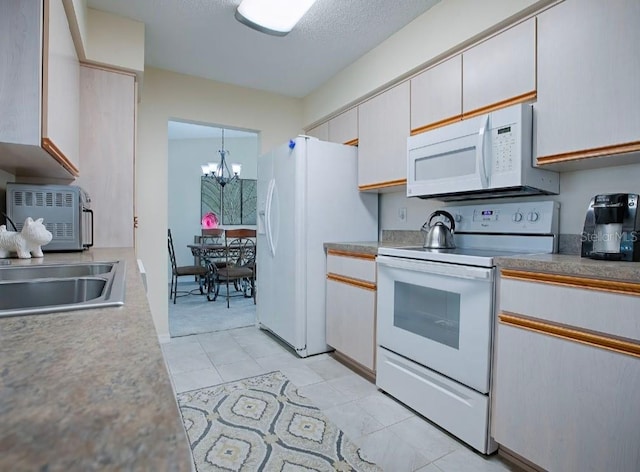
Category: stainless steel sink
[54,270]
[27,290]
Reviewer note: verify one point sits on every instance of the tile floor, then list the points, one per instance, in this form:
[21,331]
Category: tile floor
[389,434]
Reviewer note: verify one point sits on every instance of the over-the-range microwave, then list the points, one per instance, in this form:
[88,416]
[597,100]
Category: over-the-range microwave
[482,157]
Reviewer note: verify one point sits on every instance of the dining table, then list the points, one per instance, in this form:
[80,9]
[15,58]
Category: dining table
[214,255]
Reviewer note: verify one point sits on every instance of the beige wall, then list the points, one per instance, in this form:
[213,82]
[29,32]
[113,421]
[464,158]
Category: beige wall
[167,96]
[114,41]
[444,27]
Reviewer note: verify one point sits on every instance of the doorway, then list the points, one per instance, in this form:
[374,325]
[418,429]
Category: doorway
[190,146]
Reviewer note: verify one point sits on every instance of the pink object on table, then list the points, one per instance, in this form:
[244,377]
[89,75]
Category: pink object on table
[209,221]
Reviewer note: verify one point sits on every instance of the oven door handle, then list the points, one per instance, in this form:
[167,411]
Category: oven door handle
[427,267]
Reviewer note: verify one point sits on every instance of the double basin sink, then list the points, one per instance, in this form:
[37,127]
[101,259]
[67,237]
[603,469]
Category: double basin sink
[49,288]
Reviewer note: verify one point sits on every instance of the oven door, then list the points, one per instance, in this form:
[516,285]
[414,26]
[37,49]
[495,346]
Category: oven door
[439,315]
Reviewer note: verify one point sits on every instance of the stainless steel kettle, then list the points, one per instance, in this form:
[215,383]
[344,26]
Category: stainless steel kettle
[439,235]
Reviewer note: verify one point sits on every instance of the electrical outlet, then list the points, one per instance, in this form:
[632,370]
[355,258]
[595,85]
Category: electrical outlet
[402,213]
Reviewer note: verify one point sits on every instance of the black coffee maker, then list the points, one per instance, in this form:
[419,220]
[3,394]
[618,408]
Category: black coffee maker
[612,228]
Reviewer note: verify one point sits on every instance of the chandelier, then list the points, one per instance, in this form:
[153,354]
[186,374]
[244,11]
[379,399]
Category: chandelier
[221,171]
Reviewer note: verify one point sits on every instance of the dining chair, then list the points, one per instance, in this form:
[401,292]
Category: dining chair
[199,271]
[240,267]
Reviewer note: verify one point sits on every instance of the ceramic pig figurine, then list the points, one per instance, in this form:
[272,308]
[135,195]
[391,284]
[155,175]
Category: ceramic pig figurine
[26,243]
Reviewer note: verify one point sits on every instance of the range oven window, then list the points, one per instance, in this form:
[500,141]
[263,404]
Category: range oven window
[427,312]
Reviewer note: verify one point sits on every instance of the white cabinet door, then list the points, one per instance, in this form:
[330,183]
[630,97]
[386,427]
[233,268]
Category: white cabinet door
[39,91]
[567,371]
[501,70]
[321,131]
[351,306]
[351,321]
[60,87]
[20,73]
[107,146]
[383,129]
[588,94]
[564,405]
[343,128]
[436,96]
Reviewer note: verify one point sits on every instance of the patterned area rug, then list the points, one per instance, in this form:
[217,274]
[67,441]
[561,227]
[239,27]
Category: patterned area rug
[262,424]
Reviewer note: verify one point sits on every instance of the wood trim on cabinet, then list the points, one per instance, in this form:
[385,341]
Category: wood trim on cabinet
[390,183]
[571,334]
[356,255]
[57,154]
[91,65]
[356,366]
[437,124]
[611,286]
[349,281]
[352,142]
[525,97]
[589,153]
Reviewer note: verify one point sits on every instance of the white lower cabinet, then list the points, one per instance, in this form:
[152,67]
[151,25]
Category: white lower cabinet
[566,385]
[351,307]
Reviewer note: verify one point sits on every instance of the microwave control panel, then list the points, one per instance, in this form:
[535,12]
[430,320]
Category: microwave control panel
[504,141]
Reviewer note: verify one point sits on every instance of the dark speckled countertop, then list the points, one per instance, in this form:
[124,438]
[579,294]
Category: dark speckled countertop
[88,390]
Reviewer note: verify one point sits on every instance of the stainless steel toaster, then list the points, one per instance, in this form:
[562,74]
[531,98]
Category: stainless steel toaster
[65,210]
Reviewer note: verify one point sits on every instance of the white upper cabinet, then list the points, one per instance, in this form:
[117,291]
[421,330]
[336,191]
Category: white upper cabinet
[107,109]
[588,83]
[383,129]
[500,71]
[436,95]
[39,79]
[60,87]
[321,131]
[344,127]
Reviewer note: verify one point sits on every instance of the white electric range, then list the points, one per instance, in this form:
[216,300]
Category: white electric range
[436,313]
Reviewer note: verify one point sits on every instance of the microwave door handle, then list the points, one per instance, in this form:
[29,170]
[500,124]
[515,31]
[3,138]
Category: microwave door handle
[87,210]
[481,157]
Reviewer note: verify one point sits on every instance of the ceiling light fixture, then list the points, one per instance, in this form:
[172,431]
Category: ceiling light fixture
[275,17]
[221,171]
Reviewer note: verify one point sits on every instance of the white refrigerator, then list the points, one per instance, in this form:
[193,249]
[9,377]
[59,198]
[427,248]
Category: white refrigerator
[307,195]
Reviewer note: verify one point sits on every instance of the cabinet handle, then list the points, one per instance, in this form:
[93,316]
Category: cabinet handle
[621,346]
[354,255]
[613,286]
[589,153]
[350,281]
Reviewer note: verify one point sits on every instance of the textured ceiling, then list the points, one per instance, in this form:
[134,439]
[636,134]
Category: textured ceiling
[202,38]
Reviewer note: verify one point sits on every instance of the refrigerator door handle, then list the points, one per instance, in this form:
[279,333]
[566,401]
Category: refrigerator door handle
[268,217]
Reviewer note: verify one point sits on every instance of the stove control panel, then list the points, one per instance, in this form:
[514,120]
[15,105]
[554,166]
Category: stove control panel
[519,218]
